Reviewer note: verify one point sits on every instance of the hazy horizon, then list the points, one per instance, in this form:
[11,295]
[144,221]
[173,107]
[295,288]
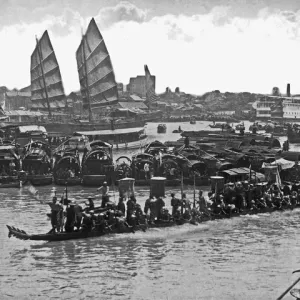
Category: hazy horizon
[199,46]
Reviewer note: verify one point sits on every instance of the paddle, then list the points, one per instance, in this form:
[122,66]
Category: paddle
[289,288]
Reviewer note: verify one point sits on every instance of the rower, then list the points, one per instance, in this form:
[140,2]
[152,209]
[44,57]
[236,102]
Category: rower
[130,208]
[202,203]
[174,203]
[160,203]
[104,189]
[147,205]
[71,217]
[91,203]
[121,206]
[56,210]
[87,223]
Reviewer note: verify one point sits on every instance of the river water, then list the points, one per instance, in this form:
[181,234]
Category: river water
[250,257]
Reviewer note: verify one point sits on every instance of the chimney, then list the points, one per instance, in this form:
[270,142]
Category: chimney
[288,90]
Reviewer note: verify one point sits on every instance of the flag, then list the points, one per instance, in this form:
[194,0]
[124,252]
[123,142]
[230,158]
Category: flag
[150,90]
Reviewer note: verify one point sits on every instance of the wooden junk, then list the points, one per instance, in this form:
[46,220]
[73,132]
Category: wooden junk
[126,187]
[157,186]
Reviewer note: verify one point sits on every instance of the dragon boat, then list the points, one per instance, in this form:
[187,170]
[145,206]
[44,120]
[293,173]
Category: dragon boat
[82,234]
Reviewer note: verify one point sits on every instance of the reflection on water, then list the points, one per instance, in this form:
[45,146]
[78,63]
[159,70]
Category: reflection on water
[251,257]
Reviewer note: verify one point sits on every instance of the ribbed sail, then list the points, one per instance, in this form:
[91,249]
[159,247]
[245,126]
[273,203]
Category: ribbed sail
[96,75]
[46,81]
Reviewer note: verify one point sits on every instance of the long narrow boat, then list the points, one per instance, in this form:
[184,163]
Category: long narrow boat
[22,235]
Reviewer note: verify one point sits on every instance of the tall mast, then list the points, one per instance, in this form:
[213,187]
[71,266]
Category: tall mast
[86,79]
[43,75]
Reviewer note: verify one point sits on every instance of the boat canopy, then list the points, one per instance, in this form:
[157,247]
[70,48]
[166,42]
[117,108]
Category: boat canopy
[32,128]
[110,132]
[98,143]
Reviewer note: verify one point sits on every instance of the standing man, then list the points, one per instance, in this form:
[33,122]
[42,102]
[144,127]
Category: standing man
[104,189]
[175,203]
[147,170]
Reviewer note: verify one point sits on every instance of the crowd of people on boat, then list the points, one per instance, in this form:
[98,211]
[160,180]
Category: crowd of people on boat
[234,198]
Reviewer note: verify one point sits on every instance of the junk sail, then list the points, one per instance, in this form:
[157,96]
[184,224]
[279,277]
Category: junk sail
[47,91]
[96,75]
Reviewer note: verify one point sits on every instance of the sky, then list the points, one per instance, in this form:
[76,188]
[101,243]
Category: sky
[196,45]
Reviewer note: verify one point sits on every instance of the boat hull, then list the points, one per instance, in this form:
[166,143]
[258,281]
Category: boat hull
[65,236]
[93,180]
[68,181]
[168,182]
[39,180]
[131,145]
[15,184]
[22,235]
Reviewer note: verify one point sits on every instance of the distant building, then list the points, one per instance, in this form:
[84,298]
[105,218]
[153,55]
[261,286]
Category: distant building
[14,100]
[120,87]
[23,115]
[132,105]
[137,85]
[224,112]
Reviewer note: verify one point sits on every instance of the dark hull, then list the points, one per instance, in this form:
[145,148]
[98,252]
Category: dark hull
[294,139]
[40,179]
[52,237]
[198,182]
[93,180]
[15,184]
[168,182]
[68,181]
[20,234]
[70,128]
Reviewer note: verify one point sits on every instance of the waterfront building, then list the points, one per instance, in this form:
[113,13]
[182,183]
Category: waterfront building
[137,85]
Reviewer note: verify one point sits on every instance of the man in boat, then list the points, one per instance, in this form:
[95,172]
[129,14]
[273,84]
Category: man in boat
[175,203]
[160,203]
[130,208]
[56,215]
[121,206]
[78,215]
[187,142]
[91,205]
[147,205]
[12,167]
[71,217]
[239,196]
[71,173]
[147,171]
[104,189]
[202,204]
[87,222]
[277,199]
[294,197]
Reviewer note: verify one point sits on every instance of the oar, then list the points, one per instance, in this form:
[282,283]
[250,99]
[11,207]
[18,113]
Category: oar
[289,288]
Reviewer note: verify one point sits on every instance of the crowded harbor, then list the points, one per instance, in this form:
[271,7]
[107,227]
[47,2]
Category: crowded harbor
[118,182]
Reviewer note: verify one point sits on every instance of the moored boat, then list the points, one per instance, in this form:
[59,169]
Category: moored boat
[161,128]
[11,174]
[67,169]
[97,164]
[126,138]
[36,163]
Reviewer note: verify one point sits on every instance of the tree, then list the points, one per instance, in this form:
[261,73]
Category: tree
[177,91]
